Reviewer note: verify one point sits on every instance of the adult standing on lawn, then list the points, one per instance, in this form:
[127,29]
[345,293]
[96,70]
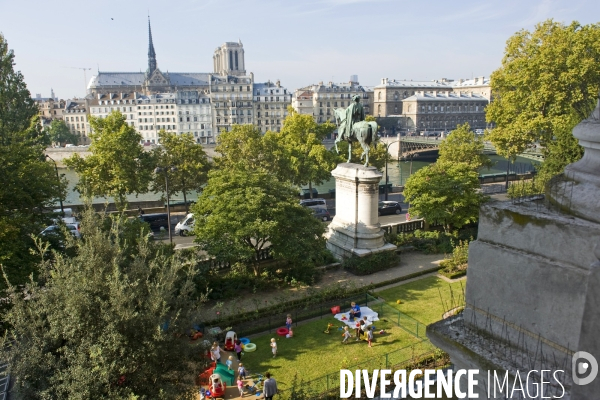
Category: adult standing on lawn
[270,387]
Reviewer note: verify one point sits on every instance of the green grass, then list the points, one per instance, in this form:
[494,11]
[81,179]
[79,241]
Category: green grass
[421,299]
[311,353]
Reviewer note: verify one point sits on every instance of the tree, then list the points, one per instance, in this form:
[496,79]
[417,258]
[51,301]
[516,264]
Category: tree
[310,161]
[548,82]
[462,145]
[182,152]
[58,132]
[118,165]
[244,147]
[241,212]
[106,323]
[445,193]
[28,183]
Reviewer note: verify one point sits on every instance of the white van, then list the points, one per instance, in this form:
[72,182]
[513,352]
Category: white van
[185,226]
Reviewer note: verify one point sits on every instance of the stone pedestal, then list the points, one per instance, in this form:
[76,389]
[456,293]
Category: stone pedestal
[355,229]
[532,297]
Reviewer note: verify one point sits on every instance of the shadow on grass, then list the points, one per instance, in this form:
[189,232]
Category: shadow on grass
[425,299]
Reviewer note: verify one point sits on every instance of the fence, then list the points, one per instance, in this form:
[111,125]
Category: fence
[302,312]
[397,359]
[213,263]
[408,226]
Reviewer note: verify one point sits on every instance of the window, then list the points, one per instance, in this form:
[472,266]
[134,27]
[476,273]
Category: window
[379,96]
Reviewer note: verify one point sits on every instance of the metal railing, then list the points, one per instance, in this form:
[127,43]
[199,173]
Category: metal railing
[396,359]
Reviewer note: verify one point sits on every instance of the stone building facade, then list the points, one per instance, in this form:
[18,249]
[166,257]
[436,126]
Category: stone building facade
[443,111]
[393,97]
[271,101]
[321,99]
[228,93]
[75,115]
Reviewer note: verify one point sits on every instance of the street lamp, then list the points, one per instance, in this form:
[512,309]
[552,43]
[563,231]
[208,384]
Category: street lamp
[387,155]
[62,209]
[159,170]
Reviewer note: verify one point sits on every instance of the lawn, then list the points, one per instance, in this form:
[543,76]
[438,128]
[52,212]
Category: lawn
[421,299]
[311,353]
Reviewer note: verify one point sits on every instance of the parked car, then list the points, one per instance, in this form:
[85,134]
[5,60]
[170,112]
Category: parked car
[54,230]
[314,203]
[185,226]
[322,214]
[389,207]
[156,221]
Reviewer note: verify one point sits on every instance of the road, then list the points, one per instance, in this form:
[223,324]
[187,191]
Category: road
[188,241]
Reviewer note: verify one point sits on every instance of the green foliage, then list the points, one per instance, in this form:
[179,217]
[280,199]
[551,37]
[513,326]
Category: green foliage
[106,323]
[29,183]
[182,152]
[244,147]
[241,212]
[548,82]
[445,193]
[524,188]
[462,145]
[58,132]
[301,138]
[118,165]
[372,263]
[456,264]
[434,242]
[377,155]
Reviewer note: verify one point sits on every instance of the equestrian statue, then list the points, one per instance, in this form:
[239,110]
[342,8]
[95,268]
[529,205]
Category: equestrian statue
[352,127]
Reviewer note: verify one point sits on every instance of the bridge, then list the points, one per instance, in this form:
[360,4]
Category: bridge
[410,146]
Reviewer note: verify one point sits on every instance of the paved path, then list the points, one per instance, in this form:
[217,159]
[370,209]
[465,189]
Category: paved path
[409,264]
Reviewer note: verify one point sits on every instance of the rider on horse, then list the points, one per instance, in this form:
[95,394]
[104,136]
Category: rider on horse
[354,113]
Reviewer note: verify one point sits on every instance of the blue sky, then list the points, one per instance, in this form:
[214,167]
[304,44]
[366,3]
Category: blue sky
[299,42]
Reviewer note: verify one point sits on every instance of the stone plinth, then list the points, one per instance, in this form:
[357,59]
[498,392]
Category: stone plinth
[355,229]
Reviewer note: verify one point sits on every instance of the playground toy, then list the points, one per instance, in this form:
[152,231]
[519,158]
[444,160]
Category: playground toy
[254,388]
[230,339]
[398,302]
[250,347]
[216,386]
[244,340]
[381,332]
[282,331]
[227,376]
[329,326]
[344,318]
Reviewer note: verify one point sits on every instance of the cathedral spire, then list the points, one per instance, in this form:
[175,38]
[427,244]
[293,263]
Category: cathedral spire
[151,53]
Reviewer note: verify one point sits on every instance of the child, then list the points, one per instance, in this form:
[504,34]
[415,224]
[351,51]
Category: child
[288,322]
[346,335]
[242,371]
[359,329]
[274,347]
[238,349]
[215,353]
[370,335]
[290,334]
[240,385]
[229,363]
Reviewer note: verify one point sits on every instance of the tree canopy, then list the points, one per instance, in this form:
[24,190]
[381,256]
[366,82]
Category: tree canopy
[241,212]
[58,132]
[462,145]
[28,183]
[445,193]
[189,158]
[106,323]
[244,147]
[548,82]
[117,166]
[302,139]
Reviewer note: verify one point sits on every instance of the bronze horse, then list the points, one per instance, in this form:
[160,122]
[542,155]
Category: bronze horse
[363,132]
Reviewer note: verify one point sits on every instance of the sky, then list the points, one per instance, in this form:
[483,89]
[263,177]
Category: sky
[298,42]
